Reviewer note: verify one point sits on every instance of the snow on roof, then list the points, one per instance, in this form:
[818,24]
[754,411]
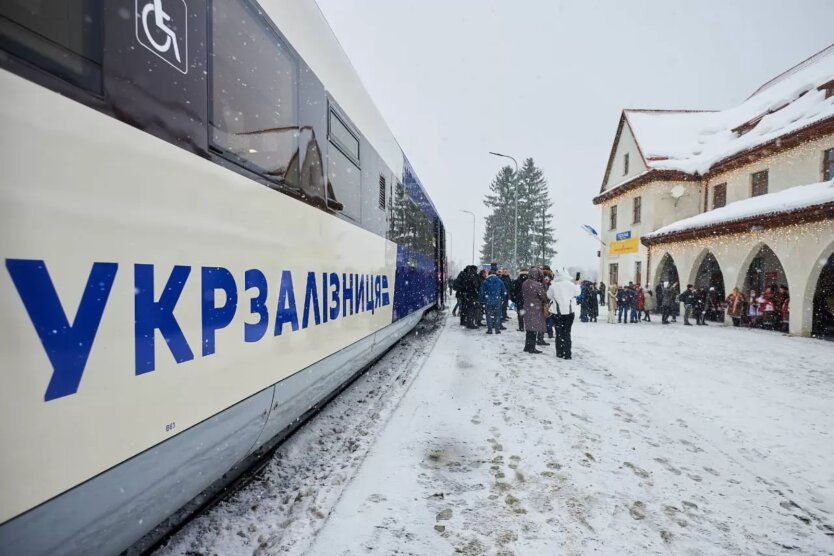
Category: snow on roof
[693,142]
[799,197]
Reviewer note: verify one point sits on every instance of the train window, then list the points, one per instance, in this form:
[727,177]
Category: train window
[62,38]
[343,137]
[254,93]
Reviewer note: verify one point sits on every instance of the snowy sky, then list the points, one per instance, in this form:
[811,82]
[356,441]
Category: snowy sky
[548,79]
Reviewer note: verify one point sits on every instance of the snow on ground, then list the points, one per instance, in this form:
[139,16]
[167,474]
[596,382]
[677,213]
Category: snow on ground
[672,440]
[701,440]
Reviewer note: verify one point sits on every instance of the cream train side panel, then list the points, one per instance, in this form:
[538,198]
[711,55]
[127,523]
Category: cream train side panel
[79,187]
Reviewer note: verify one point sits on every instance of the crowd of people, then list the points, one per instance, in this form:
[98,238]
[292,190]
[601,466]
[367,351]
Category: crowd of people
[546,302]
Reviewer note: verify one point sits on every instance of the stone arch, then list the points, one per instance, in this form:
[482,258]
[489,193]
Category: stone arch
[819,313]
[707,274]
[666,270]
[761,268]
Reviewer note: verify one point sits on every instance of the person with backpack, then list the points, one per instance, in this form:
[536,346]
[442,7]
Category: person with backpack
[688,300]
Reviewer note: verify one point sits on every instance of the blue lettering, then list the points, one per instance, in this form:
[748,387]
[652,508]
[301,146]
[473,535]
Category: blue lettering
[150,315]
[369,304]
[67,347]
[347,294]
[360,293]
[254,278]
[215,318]
[386,299]
[286,312]
[377,292]
[334,307]
[311,300]
[324,300]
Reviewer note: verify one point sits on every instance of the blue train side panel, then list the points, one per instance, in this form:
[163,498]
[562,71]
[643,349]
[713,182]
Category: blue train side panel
[414,283]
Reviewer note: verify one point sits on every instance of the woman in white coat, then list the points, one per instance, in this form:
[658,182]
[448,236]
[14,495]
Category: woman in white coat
[563,304]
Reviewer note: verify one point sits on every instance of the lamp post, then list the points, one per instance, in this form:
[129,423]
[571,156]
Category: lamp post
[515,221]
[473,232]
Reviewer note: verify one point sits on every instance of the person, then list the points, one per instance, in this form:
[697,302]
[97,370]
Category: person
[562,295]
[460,300]
[593,306]
[612,303]
[688,300]
[602,296]
[631,293]
[534,297]
[649,304]
[753,309]
[700,307]
[470,287]
[735,306]
[670,299]
[658,293]
[492,295]
[641,302]
[479,311]
[451,285]
[767,309]
[585,289]
[550,321]
[504,274]
[518,298]
[785,310]
[622,305]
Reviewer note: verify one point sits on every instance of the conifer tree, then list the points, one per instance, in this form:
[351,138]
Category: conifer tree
[536,244]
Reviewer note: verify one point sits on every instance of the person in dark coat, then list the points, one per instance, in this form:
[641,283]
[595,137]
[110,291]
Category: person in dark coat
[688,300]
[504,274]
[670,301]
[622,305]
[479,312]
[517,298]
[602,294]
[533,297]
[658,295]
[470,287]
[593,304]
[700,307]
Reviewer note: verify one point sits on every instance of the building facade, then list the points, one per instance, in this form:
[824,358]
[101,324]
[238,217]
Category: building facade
[742,197]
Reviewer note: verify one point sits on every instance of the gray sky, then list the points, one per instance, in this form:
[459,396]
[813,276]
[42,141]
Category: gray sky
[548,78]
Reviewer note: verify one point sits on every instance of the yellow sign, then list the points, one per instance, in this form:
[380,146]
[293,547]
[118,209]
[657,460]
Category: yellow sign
[626,246]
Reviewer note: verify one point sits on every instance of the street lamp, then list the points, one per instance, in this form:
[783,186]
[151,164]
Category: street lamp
[515,226]
[473,232]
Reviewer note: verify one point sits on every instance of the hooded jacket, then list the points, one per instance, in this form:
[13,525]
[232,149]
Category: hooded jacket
[562,295]
[534,299]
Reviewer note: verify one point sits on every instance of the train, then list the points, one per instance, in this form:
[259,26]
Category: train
[208,229]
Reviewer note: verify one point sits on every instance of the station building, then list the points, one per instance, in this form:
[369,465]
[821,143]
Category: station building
[742,197]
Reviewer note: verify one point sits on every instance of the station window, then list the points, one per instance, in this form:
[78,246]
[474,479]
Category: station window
[254,90]
[719,195]
[759,183]
[828,165]
[613,273]
[637,209]
[61,38]
[612,218]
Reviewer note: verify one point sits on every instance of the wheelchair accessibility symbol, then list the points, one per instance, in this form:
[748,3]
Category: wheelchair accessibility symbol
[162,28]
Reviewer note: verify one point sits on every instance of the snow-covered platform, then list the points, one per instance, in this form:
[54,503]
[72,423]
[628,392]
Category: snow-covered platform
[652,440]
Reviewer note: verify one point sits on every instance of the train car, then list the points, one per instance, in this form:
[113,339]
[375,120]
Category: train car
[207,229]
